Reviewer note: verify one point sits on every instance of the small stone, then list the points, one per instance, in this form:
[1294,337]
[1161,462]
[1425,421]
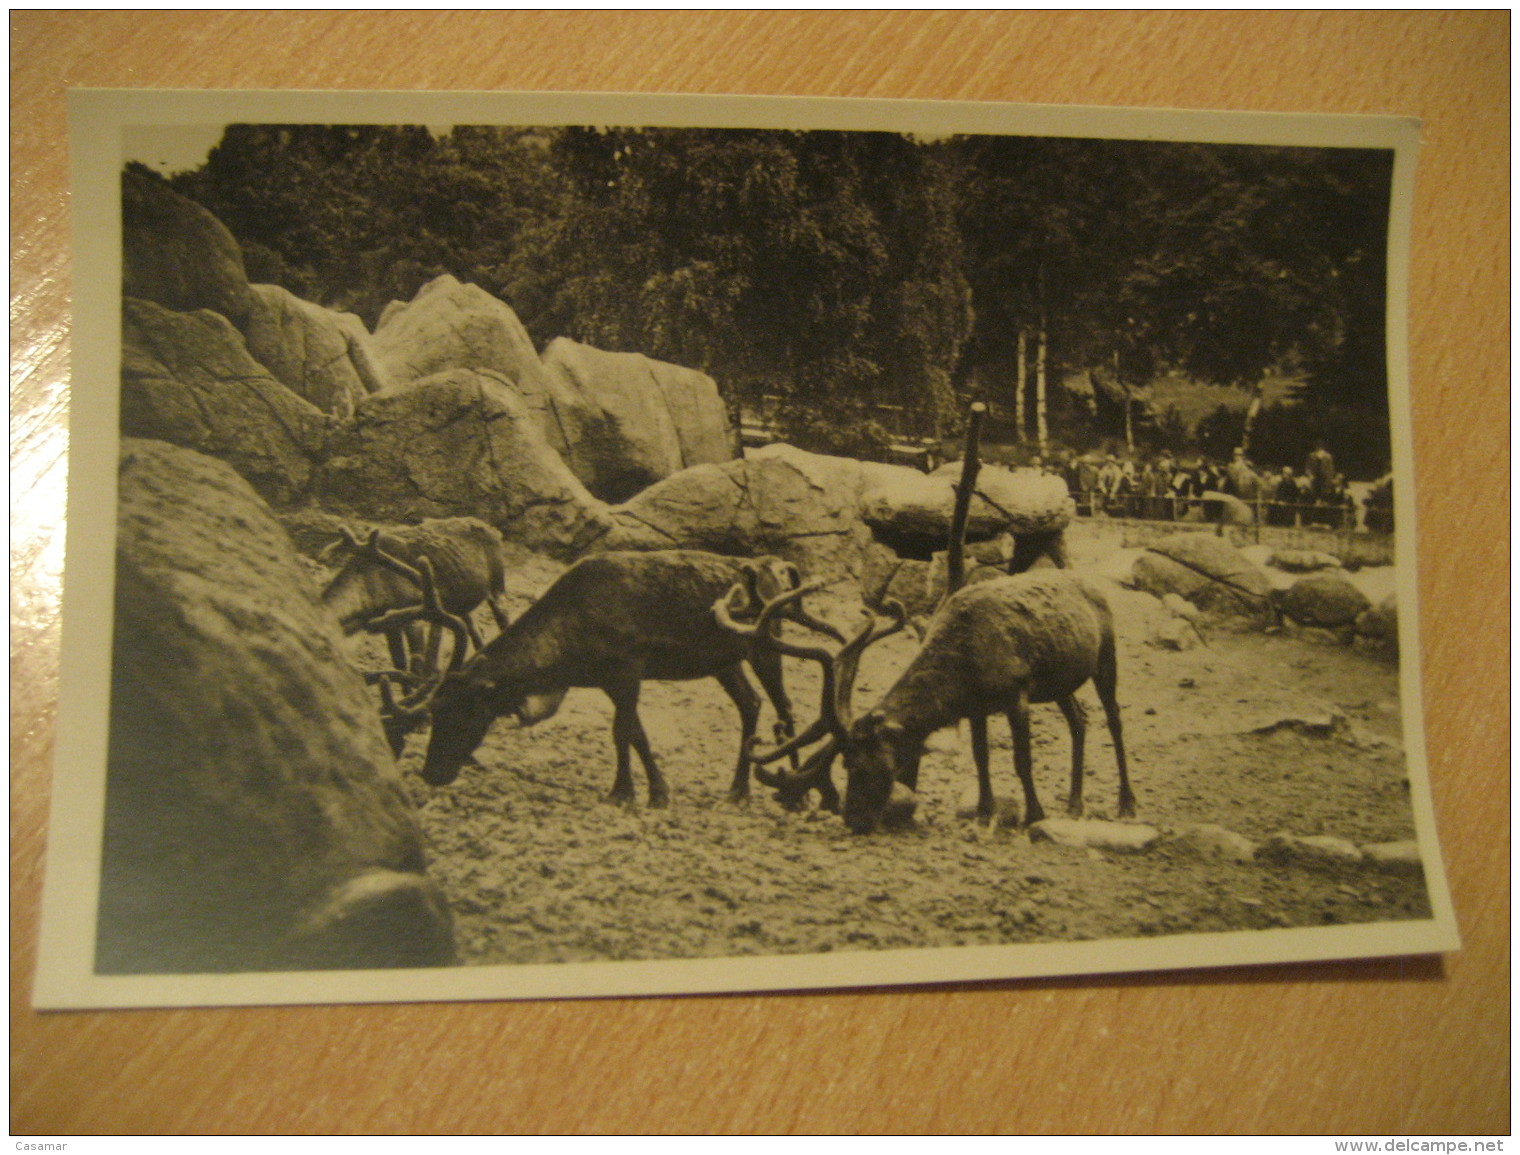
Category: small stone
[1093,834]
[1315,849]
[1180,606]
[1208,840]
[946,741]
[1179,635]
[1314,726]
[1005,811]
[1395,857]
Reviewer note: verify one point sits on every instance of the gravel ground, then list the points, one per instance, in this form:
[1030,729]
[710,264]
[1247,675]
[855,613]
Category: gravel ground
[539,867]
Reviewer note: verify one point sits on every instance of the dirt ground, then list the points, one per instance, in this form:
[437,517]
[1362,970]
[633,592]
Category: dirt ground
[539,867]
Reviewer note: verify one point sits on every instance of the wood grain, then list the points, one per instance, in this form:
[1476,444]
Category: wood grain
[1382,1047]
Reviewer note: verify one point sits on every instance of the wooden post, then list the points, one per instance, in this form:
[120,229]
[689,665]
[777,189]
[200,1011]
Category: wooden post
[955,558]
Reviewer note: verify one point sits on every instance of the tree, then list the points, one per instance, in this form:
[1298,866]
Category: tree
[805,265]
[1222,261]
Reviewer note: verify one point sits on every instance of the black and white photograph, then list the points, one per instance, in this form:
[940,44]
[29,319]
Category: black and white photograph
[730,544]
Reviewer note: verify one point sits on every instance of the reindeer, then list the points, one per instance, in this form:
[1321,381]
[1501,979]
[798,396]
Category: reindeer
[380,576]
[610,622]
[996,646]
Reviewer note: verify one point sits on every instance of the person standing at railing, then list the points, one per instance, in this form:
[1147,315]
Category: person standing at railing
[1320,469]
[1109,478]
[1086,476]
[1240,478]
[1285,497]
[1160,488]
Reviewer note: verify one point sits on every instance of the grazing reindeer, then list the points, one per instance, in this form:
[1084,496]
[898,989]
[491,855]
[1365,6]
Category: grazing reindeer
[466,562]
[996,646]
[610,622]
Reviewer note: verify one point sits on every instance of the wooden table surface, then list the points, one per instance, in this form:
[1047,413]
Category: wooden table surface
[1384,1047]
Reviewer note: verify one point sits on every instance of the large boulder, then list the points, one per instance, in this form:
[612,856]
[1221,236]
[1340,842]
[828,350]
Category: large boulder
[1379,625]
[459,444]
[1226,509]
[639,420]
[187,378]
[315,353]
[1298,561]
[177,254]
[450,325]
[780,500]
[1323,600]
[1207,571]
[254,818]
[825,513]
[920,586]
[904,506]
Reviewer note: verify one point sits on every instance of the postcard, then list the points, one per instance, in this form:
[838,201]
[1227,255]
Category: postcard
[549,545]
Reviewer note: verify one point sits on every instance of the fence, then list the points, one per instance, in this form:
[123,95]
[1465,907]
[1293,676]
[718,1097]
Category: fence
[1331,528]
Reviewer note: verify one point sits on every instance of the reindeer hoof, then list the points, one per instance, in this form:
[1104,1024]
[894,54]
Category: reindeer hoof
[659,801]
[1074,809]
[621,798]
[737,797]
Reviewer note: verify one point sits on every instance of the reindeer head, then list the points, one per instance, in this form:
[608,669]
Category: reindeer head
[838,667]
[462,707]
[877,758]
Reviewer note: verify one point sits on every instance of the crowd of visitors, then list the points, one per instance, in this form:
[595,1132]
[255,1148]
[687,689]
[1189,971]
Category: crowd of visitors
[1165,488]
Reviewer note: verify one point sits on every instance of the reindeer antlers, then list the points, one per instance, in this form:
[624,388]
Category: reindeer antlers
[838,668]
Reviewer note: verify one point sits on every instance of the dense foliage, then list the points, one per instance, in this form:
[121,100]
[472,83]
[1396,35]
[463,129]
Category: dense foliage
[883,276]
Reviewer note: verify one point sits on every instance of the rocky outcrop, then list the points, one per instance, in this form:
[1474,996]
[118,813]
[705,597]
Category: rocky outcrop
[1325,601]
[460,443]
[187,378]
[254,817]
[836,515]
[638,420]
[317,354]
[177,254]
[1208,572]
[449,325]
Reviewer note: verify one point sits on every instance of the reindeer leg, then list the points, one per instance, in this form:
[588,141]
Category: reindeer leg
[1023,755]
[628,730]
[395,640]
[828,793]
[767,667]
[737,686]
[1076,721]
[497,602]
[469,625]
[1105,680]
[429,660]
[986,804]
[622,740]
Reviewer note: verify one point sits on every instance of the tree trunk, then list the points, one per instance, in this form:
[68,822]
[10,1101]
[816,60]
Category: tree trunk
[1021,384]
[1251,411]
[1040,359]
[1042,349]
[1129,406]
[955,557]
